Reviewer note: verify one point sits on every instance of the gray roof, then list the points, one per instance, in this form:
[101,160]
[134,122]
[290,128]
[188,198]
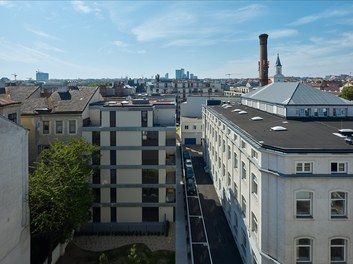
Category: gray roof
[300,136]
[21,93]
[294,93]
[74,101]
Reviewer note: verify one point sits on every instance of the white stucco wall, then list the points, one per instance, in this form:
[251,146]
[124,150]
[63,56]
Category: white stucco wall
[14,216]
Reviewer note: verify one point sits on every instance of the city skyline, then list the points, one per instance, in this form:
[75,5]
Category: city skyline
[212,39]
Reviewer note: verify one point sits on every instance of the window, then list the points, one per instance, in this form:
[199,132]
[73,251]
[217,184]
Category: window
[150,195]
[112,118]
[235,160]
[113,195]
[149,176]
[243,144]
[253,183]
[150,214]
[229,153]
[254,154]
[150,157]
[150,138]
[72,126]
[96,214]
[243,170]
[112,138]
[229,179]
[338,251]
[113,176]
[12,117]
[304,202]
[303,167]
[243,206]
[338,167]
[144,118]
[194,127]
[253,223]
[304,250]
[96,195]
[58,126]
[186,127]
[244,242]
[96,138]
[46,127]
[113,214]
[96,177]
[224,146]
[235,190]
[338,205]
[113,157]
[235,224]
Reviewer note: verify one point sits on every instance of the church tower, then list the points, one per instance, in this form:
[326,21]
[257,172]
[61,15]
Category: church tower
[278,77]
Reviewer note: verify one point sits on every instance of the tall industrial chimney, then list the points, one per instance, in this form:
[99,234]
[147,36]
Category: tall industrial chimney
[263,63]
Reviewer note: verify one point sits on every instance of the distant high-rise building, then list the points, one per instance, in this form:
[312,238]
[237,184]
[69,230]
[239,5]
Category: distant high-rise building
[179,74]
[191,76]
[42,76]
[166,75]
[187,75]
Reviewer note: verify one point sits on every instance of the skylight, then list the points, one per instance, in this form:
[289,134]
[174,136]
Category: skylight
[256,118]
[278,128]
[242,112]
[236,110]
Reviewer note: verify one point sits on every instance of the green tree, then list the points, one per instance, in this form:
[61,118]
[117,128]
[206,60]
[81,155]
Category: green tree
[59,192]
[347,93]
[103,259]
[133,258]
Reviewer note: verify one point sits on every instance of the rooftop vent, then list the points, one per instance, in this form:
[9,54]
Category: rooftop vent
[256,118]
[236,110]
[346,132]
[278,128]
[242,112]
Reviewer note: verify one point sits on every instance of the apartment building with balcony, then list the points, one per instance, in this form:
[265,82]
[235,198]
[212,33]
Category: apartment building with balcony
[282,165]
[134,183]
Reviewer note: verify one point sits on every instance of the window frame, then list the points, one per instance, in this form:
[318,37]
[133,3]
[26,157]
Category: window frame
[310,214]
[73,121]
[345,206]
[338,167]
[254,183]
[303,164]
[58,126]
[310,246]
[43,126]
[344,246]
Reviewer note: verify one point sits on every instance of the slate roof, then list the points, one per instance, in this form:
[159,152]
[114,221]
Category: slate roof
[21,93]
[301,135]
[74,101]
[294,93]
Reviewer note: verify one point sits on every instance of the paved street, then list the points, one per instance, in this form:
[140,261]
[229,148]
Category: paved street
[222,246]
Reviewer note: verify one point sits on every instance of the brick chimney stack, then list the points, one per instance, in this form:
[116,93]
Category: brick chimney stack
[263,63]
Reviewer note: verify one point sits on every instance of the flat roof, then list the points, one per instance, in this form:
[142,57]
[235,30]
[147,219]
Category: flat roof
[300,135]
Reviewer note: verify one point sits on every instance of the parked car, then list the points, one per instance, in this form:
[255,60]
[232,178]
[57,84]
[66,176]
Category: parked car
[188,163]
[186,155]
[190,186]
[189,173]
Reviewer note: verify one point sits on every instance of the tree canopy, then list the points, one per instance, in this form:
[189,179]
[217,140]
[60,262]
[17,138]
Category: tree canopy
[347,93]
[59,191]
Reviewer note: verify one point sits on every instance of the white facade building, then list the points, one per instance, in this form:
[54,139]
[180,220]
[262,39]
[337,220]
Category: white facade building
[14,216]
[286,185]
[135,179]
[190,130]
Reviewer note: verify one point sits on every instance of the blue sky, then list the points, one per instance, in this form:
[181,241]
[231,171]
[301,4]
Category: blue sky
[113,39]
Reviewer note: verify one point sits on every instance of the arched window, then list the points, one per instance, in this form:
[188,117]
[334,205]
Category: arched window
[304,249]
[338,251]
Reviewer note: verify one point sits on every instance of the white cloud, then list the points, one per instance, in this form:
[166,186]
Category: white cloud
[323,15]
[6,3]
[283,33]
[45,46]
[82,7]
[120,44]
[40,33]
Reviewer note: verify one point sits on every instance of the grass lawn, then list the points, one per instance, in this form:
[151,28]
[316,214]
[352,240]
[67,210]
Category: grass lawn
[76,255]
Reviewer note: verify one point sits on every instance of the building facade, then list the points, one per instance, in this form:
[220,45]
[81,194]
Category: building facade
[134,183]
[14,216]
[285,184]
